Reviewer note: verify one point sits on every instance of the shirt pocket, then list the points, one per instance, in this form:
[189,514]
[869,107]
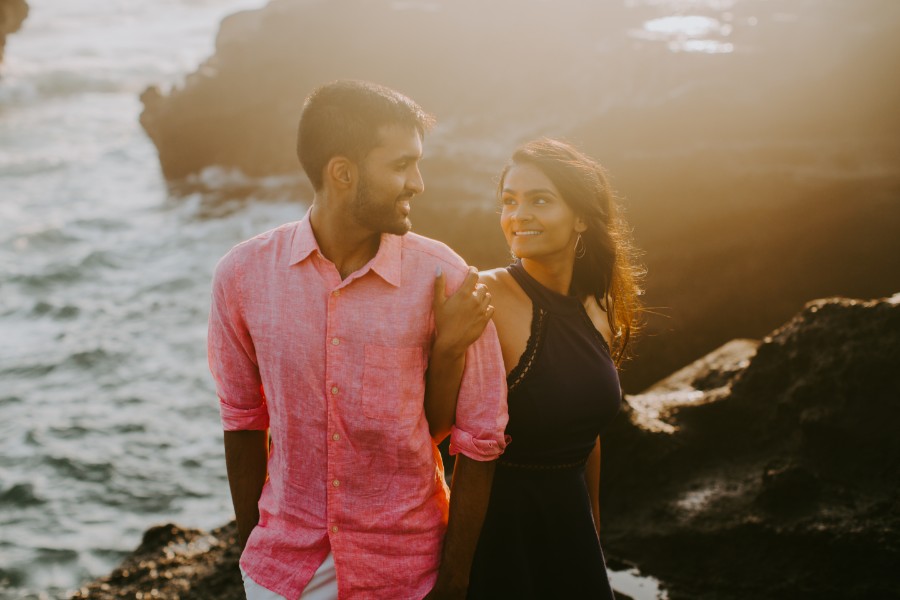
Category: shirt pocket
[393,382]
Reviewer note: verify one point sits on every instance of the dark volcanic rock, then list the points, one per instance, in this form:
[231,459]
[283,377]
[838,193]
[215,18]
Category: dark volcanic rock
[770,473]
[175,563]
[12,14]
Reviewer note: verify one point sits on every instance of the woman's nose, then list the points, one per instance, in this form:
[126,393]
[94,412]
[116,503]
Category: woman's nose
[521,214]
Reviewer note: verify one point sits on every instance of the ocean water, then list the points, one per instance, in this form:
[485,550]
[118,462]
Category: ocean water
[108,421]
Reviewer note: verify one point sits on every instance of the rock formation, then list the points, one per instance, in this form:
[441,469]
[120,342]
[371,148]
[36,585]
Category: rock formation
[504,71]
[769,471]
[12,14]
[754,179]
[763,470]
[175,563]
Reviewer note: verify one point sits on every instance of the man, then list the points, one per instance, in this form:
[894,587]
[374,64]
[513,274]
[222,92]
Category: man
[320,334]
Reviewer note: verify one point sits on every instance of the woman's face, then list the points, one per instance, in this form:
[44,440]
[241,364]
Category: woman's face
[535,219]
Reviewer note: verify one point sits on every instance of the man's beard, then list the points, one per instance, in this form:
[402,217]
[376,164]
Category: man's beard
[377,216]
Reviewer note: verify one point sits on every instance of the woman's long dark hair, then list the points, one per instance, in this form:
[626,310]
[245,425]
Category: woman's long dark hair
[608,270]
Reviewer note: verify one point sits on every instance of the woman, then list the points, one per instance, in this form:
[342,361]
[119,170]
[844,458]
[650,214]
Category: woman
[565,312]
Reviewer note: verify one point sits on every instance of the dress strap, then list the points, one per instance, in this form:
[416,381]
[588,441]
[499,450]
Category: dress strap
[541,296]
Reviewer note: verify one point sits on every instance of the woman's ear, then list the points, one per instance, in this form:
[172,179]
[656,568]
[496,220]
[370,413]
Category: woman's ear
[580,225]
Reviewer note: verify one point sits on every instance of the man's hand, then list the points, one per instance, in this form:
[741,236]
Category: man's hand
[246,454]
[445,594]
[471,491]
[460,319]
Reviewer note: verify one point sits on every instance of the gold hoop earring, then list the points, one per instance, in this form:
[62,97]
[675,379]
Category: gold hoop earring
[579,252]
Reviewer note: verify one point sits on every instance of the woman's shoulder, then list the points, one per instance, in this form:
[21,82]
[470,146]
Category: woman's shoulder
[502,286]
[498,281]
[493,276]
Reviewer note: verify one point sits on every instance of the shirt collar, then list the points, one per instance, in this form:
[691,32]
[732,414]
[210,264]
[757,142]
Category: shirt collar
[386,263]
[304,241]
[387,260]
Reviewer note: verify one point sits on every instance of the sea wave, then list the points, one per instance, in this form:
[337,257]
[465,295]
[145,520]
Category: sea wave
[217,178]
[217,192]
[20,494]
[46,237]
[27,90]
[27,166]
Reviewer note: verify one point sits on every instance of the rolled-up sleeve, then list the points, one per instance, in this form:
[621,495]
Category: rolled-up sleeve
[231,354]
[481,414]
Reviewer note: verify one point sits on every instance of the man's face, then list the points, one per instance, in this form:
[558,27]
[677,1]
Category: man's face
[388,179]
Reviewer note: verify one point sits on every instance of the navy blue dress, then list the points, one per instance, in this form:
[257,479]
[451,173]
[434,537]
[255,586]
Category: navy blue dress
[538,539]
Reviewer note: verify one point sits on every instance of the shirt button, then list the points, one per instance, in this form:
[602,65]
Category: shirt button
[336,483]
[334,389]
[336,293]
[335,341]
[336,437]
[334,529]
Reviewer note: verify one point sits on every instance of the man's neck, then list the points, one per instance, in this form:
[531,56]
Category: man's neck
[341,240]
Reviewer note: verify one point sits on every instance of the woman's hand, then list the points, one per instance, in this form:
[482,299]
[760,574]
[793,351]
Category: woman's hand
[460,319]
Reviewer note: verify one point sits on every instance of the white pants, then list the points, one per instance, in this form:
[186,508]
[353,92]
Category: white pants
[323,585]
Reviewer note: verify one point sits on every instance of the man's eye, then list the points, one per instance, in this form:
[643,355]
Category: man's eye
[541,200]
[508,202]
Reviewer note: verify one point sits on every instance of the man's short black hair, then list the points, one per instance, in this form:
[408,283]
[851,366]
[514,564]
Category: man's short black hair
[344,118]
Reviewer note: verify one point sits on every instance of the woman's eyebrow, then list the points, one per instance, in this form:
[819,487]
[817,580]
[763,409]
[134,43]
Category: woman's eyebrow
[534,192]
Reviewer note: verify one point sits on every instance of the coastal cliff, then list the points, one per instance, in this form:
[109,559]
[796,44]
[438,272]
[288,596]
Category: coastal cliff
[12,15]
[768,470]
[758,165]
[605,74]
[762,470]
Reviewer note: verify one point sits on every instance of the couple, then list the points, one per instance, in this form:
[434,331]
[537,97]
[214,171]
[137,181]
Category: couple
[340,362]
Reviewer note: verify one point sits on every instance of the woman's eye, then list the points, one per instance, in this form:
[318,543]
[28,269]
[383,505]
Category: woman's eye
[540,200]
[509,202]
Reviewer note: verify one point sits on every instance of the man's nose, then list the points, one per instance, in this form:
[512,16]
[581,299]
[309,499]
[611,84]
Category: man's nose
[415,183]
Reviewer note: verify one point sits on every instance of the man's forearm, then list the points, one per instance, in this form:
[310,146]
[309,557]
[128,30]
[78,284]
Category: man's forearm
[442,382]
[471,491]
[246,455]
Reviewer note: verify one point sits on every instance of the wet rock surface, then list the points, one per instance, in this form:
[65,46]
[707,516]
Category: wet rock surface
[762,470]
[175,563]
[12,15]
[769,471]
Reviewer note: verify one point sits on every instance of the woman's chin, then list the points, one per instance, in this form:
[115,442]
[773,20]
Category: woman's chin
[543,255]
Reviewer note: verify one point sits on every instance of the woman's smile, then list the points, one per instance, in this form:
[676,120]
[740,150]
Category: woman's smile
[535,218]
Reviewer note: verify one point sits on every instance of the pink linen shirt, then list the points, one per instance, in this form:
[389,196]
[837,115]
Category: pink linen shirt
[335,369]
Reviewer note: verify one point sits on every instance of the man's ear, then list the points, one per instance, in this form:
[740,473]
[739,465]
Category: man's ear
[341,172]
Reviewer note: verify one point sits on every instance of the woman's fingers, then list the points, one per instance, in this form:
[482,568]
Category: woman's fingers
[440,285]
[471,281]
